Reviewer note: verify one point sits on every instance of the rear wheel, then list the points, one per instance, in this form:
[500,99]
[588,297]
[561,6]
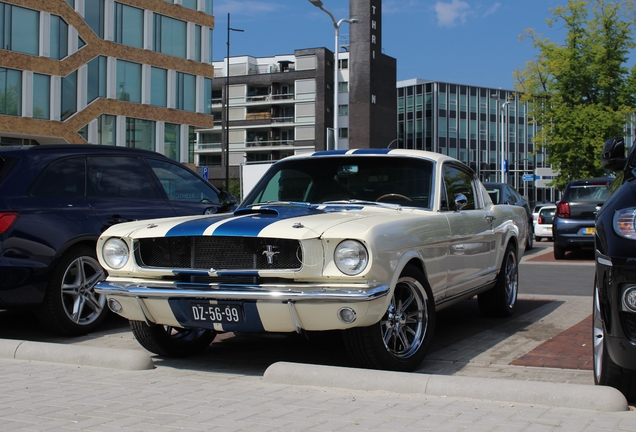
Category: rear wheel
[170,341]
[400,340]
[606,372]
[530,238]
[71,306]
[559,252]
[501,299]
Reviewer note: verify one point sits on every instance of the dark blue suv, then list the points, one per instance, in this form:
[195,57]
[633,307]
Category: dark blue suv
[55,201]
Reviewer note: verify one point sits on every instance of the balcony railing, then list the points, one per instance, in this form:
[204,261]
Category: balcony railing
[247,144]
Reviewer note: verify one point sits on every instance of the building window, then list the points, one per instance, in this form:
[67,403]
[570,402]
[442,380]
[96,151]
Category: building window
[129,25]
[96,76]
[41,96]
[69,95]
[140,134]
[169,36]
[343,87]
[158,87]
[106,129]
[10,92]
[59,38]
[19,29]
[207,96]
[197,43]
[71,3]
[209,7]
[344,63]
[128,81]
[190,4]
[94,16]
[171,141]
[343,110]
[186,92]
[343,133]
[83,132]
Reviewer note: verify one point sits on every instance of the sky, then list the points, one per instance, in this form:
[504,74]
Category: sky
[472,42]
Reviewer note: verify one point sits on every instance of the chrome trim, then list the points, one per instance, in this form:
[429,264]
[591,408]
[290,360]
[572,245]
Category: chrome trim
[309,292]
[144,310]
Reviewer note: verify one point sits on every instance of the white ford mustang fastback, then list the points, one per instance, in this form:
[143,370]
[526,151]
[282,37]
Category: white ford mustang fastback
[370,241]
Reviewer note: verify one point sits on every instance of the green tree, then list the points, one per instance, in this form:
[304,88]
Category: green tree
[581,92]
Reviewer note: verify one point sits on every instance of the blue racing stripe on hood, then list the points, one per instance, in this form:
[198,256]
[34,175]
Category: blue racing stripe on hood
[371,151]
[194,227]
[254,221]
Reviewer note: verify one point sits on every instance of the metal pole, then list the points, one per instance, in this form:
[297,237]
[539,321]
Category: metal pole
[336,131]
[227,106]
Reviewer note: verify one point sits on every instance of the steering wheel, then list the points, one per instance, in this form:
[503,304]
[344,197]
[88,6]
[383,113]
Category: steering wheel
[393,195]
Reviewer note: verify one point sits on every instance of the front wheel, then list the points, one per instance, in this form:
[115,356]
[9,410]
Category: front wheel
[500,300]
[170,341]
[606,372]
[71,306]
[400,340]
[559,252]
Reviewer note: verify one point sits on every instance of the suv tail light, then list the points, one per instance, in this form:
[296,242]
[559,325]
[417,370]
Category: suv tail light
[540,220]
[6,220]
[563,210]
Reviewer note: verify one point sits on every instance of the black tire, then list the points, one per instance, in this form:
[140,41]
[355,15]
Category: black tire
[606,372]
[559,252]
[500,300]
[550,239]
[71,306]
[530,238]
[170,341]
[410,317]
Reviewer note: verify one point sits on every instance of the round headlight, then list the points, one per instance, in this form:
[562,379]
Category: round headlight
[115,252]
[351,257]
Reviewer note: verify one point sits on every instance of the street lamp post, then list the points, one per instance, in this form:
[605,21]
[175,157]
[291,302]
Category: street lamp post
[503,136]
[336,25]
[227,105]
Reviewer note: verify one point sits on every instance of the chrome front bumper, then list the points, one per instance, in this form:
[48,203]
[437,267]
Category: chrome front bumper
[309,292]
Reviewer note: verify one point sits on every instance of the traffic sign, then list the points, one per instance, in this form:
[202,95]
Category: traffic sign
[528,177]
[204,172]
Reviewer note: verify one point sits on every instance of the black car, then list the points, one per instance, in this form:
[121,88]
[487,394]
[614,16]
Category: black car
[614,310]
[573,224]
[55,201]
[503,193]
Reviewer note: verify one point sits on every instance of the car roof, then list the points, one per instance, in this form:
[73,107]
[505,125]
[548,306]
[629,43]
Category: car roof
[591,181]
[78,149]
[435,157]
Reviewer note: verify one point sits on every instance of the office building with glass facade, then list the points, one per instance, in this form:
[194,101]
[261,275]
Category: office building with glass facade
[133,73]
[478,125]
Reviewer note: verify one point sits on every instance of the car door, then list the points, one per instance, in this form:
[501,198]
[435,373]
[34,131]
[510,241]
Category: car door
[188,194]
[472,244]
[120,189]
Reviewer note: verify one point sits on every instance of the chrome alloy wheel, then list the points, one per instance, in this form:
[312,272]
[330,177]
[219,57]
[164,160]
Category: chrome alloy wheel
[405,323]
[80,301]
[599,336]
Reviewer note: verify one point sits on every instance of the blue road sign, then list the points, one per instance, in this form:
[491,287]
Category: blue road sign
[204,172]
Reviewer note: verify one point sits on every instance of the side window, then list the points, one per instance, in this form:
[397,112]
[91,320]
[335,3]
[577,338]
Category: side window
[511,196]
[119,177]
[181,185]
[65,178]
[458,182]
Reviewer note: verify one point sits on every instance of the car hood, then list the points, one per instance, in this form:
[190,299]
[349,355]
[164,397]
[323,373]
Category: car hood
[287,221]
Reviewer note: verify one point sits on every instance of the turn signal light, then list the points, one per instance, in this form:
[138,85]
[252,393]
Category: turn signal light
[6,220]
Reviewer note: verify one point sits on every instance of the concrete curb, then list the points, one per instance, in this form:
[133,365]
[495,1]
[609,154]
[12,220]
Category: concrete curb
[586,397]
[75,354]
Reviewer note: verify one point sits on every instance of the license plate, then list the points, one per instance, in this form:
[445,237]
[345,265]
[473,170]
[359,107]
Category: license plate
[217,313]
[589,230]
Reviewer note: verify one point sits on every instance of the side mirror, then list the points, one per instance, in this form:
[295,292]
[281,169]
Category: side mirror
[460,201]
[613,155]
[227,199]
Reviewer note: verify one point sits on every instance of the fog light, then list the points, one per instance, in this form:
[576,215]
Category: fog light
[347,315]
[629,298]
[114,305]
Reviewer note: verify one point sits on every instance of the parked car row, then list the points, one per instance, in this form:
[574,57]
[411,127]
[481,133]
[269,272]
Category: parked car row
[503,193]
[56,200]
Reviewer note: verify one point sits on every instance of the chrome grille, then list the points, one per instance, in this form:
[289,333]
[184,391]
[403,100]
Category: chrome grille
[221,253]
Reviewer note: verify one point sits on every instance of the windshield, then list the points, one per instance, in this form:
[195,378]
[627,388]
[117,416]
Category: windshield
[405,181]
